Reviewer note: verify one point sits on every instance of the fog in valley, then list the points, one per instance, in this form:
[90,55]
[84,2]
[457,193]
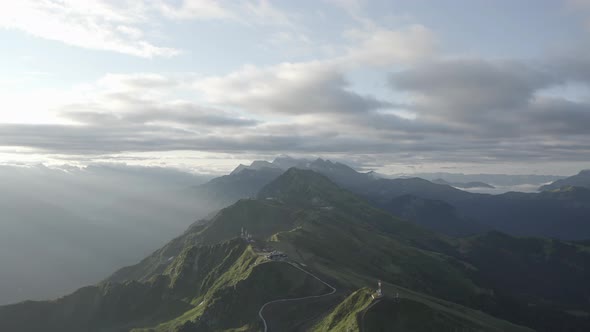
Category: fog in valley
[63,228]
[66,227]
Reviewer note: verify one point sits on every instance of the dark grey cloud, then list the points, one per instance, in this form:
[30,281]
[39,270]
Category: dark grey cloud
[88,140]
[467,110]
[290,89]
[471,87]
[558,116]
[573,64]
[325,96]
[495,99]
[184,113]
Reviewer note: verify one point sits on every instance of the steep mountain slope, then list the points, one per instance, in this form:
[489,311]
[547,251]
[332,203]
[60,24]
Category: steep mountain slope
[241,183]
[383,249]
[408,311]
[531,214]
[562,214]
[256,165]
[533,279]
[209,280]
[435,215]
[537,215]
[559,214]
[204,288]
[117,306]
[581,179]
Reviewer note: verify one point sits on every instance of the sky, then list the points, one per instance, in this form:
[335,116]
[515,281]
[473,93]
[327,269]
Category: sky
[469,86]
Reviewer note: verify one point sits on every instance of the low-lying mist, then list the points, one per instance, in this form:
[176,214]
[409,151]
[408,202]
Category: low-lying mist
[64,228]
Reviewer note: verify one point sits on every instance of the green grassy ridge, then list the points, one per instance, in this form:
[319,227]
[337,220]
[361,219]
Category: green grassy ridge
[157,262]
[321,199]
[112,306]
[332,241]
[264,217]
[108,307]
[344,316]
[412,312]
[353,236]
[493,275]
[332,230]
[267,282]
[462,312]
[197,267]
[367,242]
[305,188]
[188,286]
[223,307]
[225,274]
[260,217]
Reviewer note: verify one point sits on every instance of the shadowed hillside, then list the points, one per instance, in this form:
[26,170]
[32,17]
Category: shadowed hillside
[209,280]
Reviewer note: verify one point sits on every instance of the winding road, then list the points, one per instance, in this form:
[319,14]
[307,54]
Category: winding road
[297,298]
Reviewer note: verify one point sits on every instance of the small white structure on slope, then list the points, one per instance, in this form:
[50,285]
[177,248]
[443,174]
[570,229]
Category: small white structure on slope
[246,236]
[378,293]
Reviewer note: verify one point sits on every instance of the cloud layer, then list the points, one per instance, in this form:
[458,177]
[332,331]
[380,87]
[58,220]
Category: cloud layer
[429,105]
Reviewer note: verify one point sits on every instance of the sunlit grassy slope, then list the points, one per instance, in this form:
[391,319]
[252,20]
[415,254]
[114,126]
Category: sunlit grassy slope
[209,280]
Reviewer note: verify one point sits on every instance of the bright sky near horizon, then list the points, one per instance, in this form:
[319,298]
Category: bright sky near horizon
[396,86]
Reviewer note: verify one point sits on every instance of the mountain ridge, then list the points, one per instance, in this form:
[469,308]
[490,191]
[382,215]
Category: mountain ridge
[582,179]
[201,280]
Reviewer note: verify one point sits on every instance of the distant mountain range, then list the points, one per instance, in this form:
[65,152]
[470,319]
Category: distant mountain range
[497,180]
[210,279]
[581,179]
[465,185]
[556,215]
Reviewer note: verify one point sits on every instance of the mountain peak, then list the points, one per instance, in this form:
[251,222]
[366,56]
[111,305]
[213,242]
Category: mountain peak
[301,187]
[238,169]
[286,162]
[255,165]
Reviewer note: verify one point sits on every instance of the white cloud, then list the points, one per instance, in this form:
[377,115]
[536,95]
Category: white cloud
[319,86]
[382,47]
[258,12]
[91,24]
[121,26]
[119,100]
[351,6]
[264,13]
[288,88]
[194,9]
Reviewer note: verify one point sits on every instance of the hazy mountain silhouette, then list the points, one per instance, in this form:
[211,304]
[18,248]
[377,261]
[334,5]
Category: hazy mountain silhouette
[581,179]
